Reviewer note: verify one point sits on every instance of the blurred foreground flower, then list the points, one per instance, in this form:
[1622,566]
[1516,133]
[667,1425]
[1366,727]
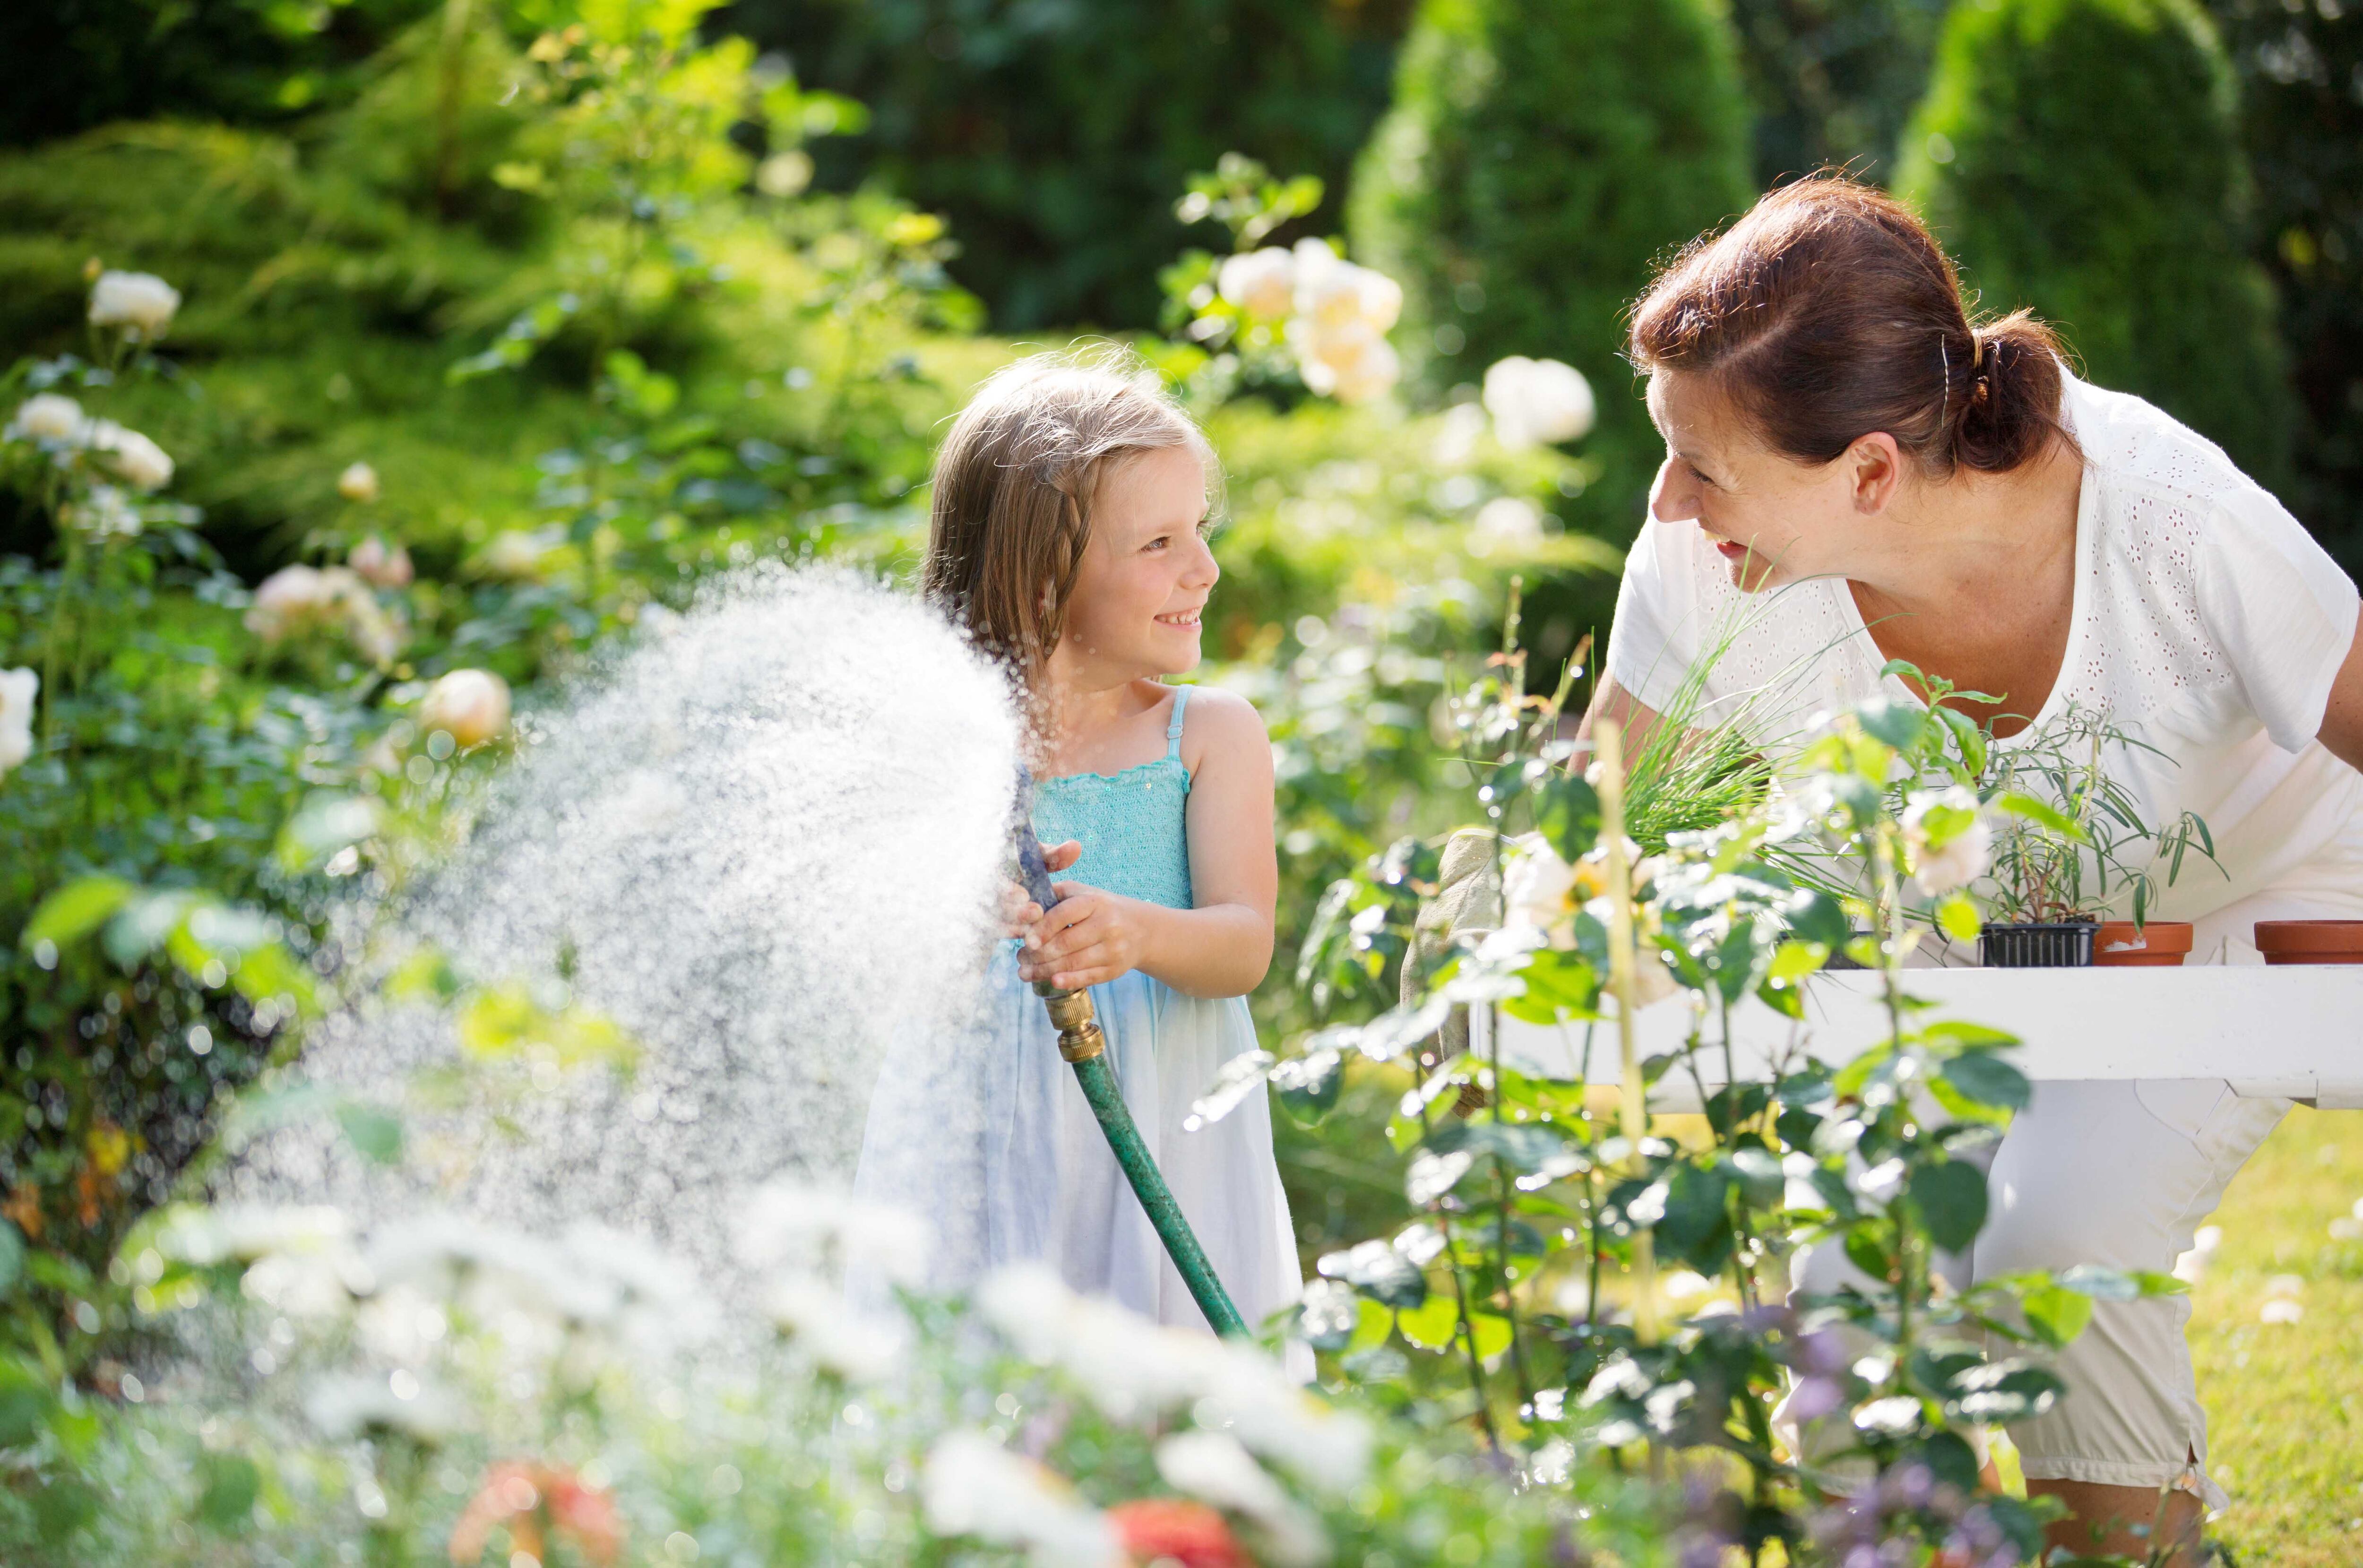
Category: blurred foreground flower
[17,689]
[143,464]
[1948,838]
[820,1229]
[141,303]
[1172,1529]
[972,1486]
[469,705]
[358,482]
[1214,1468]
[359,1404]
[102,513]
[537,1502]
[1537,402]
[1134,1370]
[829,1334]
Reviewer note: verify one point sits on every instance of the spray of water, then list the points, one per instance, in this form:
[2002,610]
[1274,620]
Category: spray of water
[764,843]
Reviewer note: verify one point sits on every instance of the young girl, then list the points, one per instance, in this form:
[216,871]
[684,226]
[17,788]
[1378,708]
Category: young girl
[1069,537]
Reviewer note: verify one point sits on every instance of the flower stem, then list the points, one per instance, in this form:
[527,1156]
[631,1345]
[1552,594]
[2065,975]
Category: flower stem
[1608,742]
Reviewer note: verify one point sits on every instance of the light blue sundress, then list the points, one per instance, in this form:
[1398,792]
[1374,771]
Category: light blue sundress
[1052,1191]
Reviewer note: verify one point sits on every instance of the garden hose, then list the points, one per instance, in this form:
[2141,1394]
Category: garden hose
[1084,1046]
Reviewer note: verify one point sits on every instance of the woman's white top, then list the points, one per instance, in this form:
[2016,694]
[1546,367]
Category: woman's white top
[2207,623]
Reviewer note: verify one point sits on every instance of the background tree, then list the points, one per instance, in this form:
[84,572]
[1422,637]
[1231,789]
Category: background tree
[2082,156]
[1527,177]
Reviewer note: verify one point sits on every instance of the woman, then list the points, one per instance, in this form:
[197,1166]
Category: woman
[1918,487]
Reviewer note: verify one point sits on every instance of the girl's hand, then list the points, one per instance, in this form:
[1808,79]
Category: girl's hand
[1019,912]
[1089,939]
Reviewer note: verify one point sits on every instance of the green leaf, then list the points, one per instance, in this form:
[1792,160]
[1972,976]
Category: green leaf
[145,923]
[1378,1272]
[25,1404]
[1559,986]
[1895,724]
[1308,1085]
[1816,916]
[1951,1198]
[12,1258]
[1374,1323]
[1985,1078]
[1957,917]
[2056,1313]
[75,910]
[1432,1325]
[2040,812]
[1568,812]
[231,1485]
[1493,1333]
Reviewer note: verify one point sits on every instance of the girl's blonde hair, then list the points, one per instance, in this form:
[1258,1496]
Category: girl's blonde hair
[1014,486]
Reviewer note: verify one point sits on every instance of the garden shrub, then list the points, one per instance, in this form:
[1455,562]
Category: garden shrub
[2081,158]
[2303,120]
[1537,158]
[1832,81]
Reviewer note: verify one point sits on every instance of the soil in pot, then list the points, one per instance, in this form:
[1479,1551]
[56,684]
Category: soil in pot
[2160,944]
[2064,944]
[2311,942]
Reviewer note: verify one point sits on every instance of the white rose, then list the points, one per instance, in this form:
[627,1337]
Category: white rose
[1954,854]
[379,564]
[1350,363]
[48,417]
[1536,887]
[358,482]
[140,461]
[470,705]
[288,600]
[139,303]
[1262,282]
[1333,293]
[1215,1468]
[1536,402]
[17,689]
[972,1486]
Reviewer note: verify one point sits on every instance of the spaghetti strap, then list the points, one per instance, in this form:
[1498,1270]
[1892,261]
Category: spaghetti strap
[1173,729]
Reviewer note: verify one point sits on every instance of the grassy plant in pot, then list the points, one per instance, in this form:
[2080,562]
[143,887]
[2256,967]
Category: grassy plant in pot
[2072,850]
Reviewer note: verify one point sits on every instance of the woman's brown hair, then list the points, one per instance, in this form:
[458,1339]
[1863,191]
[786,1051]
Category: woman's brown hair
[1829,312]
[1014,486]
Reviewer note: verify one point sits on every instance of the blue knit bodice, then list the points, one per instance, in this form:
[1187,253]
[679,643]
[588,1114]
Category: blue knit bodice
[1131,824]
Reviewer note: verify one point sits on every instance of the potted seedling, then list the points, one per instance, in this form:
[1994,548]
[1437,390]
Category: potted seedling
[2072,849]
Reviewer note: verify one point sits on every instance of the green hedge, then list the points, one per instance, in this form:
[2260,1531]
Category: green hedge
[1538,158]
[2080,157]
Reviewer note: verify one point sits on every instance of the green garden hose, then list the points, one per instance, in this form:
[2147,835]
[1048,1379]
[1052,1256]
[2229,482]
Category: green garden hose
[1084,1047]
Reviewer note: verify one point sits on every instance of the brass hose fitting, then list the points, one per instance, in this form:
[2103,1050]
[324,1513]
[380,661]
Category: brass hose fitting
[1077,1021]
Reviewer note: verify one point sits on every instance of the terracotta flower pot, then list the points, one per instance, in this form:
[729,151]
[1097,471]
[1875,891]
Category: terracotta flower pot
[2161,944]
[2311,942]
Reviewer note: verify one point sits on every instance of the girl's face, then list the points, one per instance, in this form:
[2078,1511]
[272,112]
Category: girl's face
[1147,572]
[1773,518]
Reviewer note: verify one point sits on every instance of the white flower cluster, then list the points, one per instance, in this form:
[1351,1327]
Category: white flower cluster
[299,600]
[1136,1369]
[140,304]
[807,1241]
[17,689]
[1337,315]
[1537,402]
[972,1486]
[74,439]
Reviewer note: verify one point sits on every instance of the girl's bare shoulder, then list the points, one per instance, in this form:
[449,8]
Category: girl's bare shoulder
[1224,729]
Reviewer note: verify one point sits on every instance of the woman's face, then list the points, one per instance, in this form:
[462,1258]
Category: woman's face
[1147,570]
[1774,519]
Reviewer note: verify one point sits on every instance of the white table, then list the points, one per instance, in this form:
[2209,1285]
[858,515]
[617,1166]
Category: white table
[2292,1032]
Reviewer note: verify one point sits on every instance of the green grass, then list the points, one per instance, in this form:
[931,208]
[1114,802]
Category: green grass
[2285,1401]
